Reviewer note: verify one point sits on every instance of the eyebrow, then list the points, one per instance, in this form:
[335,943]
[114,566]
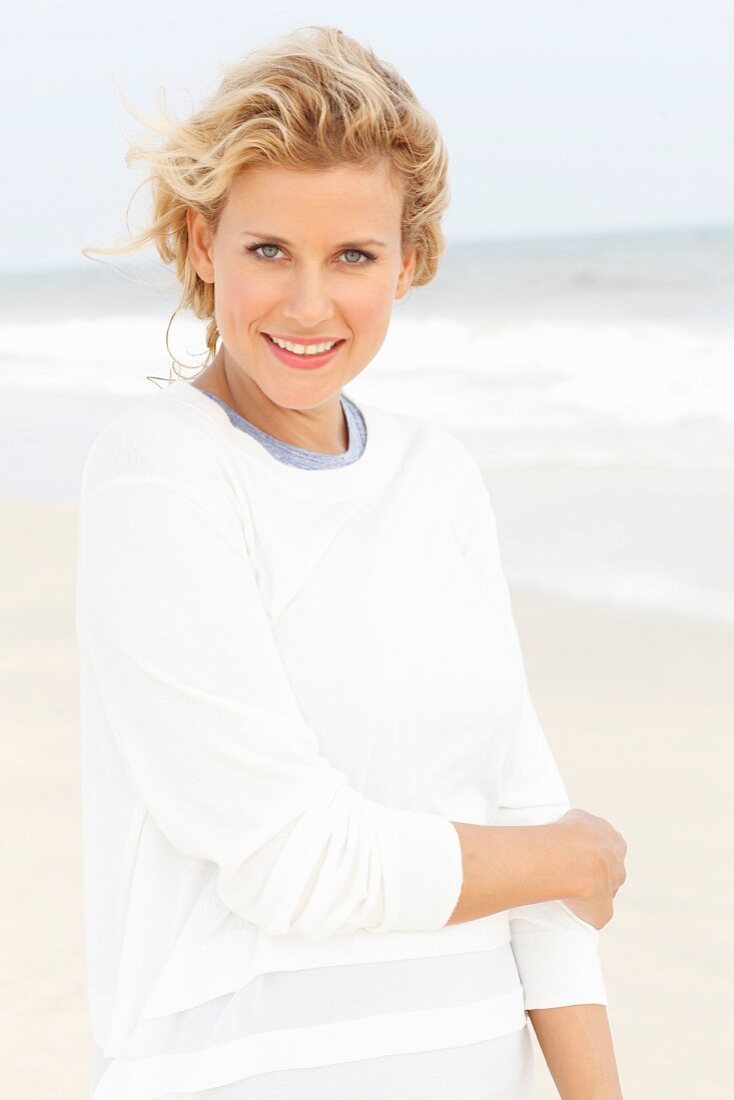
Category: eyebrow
[281,240]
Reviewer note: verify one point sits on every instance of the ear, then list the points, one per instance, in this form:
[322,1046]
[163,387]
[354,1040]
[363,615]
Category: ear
[407,271]
[200,241]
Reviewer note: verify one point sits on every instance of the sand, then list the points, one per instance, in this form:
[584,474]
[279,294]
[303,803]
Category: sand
[638,708]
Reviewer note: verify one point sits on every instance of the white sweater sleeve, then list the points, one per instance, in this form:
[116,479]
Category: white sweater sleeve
[557,953]
[183,654]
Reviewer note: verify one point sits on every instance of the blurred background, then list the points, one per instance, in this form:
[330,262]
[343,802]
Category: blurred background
[578,336]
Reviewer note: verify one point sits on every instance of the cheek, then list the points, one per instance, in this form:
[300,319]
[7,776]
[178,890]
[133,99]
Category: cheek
[370,308]
[243,298]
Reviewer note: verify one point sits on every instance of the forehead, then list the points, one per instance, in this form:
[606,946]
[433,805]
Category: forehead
[339,195]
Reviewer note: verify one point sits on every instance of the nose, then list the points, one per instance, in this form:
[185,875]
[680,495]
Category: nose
[308,302]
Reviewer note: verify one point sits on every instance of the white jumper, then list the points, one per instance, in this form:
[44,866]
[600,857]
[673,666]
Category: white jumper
[292,682]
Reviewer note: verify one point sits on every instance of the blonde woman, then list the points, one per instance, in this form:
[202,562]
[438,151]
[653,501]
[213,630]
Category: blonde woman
[328,852]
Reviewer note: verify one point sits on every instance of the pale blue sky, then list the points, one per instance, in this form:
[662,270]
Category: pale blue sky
[559,117]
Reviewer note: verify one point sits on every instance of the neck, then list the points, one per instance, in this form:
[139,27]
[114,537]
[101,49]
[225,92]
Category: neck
[323,429]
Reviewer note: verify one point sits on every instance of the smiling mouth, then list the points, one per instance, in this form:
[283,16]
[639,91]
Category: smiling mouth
[335,343]
[304,360]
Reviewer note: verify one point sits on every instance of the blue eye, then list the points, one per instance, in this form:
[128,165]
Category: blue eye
[369,257]
[257,247]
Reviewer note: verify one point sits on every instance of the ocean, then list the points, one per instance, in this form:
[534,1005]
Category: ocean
[591,375]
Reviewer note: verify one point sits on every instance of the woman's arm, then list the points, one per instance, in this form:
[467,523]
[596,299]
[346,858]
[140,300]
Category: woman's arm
[576,1041]
[555,949]
[510,865]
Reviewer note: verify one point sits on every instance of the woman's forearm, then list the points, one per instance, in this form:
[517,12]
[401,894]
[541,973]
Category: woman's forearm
[577,1045]
[510,865]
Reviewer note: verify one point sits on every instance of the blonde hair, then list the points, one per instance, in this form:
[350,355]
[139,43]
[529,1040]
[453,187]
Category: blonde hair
[314,98]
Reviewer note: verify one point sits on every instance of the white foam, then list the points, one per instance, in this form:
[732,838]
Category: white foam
[632,590]
[524,375]
[531,373]
[100,356]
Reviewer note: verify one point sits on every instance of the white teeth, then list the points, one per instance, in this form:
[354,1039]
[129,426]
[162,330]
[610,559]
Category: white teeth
[302,349]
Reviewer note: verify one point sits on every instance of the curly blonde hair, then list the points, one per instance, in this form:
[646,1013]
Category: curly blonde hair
[313,98]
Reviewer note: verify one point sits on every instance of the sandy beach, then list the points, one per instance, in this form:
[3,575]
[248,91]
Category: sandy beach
[638,707]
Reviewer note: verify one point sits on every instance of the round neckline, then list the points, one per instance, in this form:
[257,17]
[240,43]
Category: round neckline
[353,452]
[319,481]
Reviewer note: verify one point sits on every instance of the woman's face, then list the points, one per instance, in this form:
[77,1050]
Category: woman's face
[292,256]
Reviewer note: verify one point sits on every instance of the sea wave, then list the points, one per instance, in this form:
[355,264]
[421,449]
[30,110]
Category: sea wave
[632,590]
[523,375]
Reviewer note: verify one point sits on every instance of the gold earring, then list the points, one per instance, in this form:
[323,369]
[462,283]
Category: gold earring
[173,372]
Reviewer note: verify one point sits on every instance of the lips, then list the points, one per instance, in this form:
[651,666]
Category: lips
[306,341]
[303,361]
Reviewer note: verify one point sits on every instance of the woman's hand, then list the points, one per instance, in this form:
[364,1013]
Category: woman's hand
[601,849]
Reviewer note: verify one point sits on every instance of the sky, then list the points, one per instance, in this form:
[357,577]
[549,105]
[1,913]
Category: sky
[560,117]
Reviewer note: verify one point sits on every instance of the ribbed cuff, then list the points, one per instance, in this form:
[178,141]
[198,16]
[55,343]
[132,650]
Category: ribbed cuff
[424,871]
[559,968]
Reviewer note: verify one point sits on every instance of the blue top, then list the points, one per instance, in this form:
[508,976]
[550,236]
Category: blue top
[299,456]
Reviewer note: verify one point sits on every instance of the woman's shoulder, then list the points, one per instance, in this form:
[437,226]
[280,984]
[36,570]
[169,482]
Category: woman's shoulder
[437,450]
[158,437]
[420,432]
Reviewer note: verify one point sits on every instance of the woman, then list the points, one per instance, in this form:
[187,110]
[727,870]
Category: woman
[310,758]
